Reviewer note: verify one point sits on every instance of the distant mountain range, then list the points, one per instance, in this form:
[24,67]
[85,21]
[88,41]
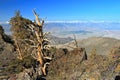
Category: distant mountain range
[82,29]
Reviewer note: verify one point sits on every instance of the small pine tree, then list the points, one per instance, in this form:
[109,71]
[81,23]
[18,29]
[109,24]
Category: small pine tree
[18,26]
[20,32]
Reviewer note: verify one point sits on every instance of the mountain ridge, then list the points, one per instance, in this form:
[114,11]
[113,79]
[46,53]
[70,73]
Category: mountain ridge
[103,45]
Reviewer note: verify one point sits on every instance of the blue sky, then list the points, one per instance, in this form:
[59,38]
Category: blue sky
[106,10]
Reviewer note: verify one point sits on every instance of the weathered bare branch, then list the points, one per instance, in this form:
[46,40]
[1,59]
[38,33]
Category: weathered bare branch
[31,27]
[47,33]
[49,58]
[76,44]
[37,18]
[44,68]
[30,40]
[19,51]
[46,47]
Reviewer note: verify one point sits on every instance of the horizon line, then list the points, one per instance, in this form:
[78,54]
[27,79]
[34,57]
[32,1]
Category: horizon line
[72,21]
[79,21]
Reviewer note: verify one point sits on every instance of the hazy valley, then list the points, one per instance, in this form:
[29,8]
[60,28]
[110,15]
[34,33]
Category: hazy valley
[82,29]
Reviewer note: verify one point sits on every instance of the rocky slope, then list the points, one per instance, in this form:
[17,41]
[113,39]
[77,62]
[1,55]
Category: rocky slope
[102,62]
[77,65]
[7,54]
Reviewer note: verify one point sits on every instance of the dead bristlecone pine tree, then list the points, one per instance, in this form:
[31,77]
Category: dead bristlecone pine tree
[41,44]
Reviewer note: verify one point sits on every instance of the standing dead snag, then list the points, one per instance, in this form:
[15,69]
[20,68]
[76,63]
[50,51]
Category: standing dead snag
[41,42]
[76,44]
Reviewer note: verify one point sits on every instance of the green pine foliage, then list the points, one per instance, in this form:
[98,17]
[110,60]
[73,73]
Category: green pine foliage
[21,32]
[19,26]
